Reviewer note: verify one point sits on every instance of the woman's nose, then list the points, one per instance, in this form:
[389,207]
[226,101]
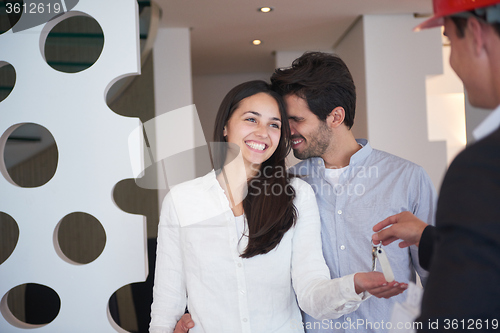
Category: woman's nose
[262,131]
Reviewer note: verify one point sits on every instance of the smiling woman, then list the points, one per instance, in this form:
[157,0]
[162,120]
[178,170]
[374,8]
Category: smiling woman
[252,117]
[257,133]
[244,241]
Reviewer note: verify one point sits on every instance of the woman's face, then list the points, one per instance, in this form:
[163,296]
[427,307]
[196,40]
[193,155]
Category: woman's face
[255,126]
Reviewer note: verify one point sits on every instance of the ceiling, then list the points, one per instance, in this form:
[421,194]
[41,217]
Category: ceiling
[222,30]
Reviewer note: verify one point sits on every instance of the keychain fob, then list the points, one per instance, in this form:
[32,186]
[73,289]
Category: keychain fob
[384,262]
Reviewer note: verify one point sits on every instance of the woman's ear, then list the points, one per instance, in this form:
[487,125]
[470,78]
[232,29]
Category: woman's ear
[224,131]
[336,117]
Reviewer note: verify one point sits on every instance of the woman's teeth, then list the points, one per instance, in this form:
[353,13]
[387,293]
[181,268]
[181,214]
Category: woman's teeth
[254,145]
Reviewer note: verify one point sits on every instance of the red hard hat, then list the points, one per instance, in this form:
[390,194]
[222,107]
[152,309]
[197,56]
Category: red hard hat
[444,8]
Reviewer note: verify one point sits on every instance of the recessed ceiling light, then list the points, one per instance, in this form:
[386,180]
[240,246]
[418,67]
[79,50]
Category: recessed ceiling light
[265,9]
[256,42]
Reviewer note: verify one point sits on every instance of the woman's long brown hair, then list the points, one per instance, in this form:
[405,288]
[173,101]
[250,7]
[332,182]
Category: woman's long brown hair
[268,205]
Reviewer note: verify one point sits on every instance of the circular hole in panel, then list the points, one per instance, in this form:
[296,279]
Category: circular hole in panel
[30,305]
[7,79]
[9,235]
[74,44]
[80,238]
[30,155]
[130,306]
[121,310]
[10,13]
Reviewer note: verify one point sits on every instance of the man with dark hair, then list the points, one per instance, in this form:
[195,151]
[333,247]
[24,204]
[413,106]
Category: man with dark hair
[355,185]
[463,250]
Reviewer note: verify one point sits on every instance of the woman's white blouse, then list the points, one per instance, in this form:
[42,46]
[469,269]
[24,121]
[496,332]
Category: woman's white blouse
[199,265]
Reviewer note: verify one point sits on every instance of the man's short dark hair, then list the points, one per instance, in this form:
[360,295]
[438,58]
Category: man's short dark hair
[322,80]
[461,23]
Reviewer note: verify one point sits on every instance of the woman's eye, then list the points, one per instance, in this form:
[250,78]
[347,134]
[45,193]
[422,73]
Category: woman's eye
[275,126]
[251,119]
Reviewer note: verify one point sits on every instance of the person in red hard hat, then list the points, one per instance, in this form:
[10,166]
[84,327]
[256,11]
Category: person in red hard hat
[462,253]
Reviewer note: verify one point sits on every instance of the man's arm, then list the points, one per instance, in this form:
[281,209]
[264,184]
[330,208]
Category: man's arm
[404,226]
[411,230]
[465,263]
[424,208]
[426,247]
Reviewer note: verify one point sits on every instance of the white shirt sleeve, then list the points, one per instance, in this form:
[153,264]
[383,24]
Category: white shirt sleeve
[317,294]
[169,291]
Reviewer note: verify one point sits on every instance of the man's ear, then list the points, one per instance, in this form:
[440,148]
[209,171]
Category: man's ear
[336,117]
[477,32]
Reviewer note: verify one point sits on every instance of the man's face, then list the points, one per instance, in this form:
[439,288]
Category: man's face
[310,136]
[467,60]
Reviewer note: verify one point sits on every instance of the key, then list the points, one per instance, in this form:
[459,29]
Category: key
[374,256]
[379,253]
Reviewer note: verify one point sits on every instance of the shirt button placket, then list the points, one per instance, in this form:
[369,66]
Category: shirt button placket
[240,279]
[341,229]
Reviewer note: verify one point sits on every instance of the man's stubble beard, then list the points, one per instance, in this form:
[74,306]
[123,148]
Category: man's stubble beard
[317,145]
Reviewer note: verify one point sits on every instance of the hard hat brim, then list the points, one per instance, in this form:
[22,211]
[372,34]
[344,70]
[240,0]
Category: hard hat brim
[435,21]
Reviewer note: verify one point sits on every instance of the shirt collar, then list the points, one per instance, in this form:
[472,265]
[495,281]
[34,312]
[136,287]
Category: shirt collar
[488,125]
[361,154]
[210,180]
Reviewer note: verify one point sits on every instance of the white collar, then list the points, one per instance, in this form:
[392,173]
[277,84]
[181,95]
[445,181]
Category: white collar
[488,125]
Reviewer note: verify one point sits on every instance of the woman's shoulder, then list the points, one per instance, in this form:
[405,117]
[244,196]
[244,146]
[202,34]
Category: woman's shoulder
[299,183]
[203,182]
[193,191]
[196,200]
[302,188]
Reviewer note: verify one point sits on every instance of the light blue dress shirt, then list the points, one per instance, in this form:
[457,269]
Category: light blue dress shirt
[374,186]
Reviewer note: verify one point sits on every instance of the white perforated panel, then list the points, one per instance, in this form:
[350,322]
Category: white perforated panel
[92,142]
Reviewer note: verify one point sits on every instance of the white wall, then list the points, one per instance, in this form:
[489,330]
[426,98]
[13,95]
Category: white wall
[284,59]
[172,69]
[396,63]
[446,108]
[173,90]
[352,50]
